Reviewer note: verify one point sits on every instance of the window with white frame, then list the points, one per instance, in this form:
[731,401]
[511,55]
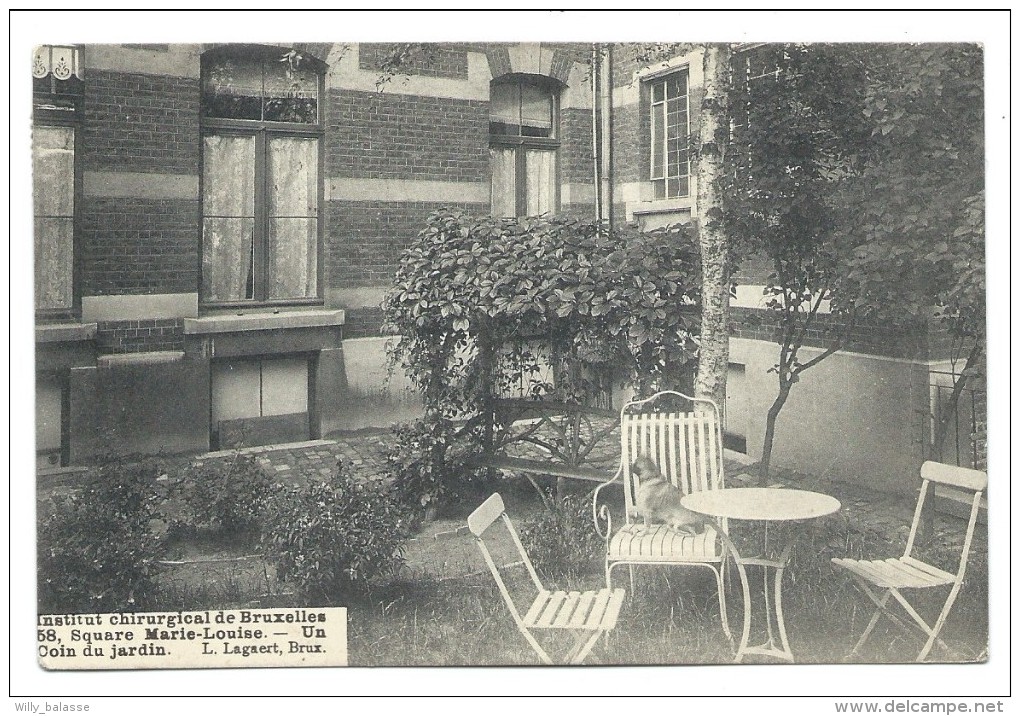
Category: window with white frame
[523,143]
[670,129]
[261,176]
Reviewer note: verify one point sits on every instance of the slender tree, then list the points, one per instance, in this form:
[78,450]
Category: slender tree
[797,131]
[716,264]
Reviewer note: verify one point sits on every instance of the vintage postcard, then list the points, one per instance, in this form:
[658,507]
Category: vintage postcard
[509,352]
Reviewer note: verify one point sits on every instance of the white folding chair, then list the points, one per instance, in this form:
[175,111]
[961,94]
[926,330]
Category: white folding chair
[687,448]
[882,579]
[588,614]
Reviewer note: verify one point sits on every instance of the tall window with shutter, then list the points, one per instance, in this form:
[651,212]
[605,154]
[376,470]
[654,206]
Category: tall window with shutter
[523,142]
[261,176]
[58,87]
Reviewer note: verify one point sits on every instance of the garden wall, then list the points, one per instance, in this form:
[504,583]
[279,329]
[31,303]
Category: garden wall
[852,417]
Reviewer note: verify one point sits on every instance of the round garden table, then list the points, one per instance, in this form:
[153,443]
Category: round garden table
[762,504]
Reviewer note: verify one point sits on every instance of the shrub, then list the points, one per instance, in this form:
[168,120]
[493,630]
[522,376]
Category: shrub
[561,541]
[428,464]
[331,537]
[97,547]
[228,495]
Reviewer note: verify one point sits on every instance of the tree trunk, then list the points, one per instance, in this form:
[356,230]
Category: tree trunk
[949,411]
[713,360]
[770,432]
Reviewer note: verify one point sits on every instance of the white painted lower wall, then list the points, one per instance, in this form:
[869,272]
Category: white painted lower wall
[373,397]
[853,417]
[856,418]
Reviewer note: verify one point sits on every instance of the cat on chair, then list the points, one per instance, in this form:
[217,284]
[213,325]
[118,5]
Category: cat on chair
[658,501]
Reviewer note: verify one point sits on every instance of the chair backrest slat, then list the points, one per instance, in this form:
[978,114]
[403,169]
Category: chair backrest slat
[962,477]
[687,447]
[974,481]
[485,514]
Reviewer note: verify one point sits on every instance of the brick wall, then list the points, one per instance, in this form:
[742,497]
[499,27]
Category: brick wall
[366,238]
[753,271]
[141,123]
[431,61]
[868,337]
[389,136]
[139,246]
[632,56]
[630,146]
[576,163]
[140,336]
[362,322]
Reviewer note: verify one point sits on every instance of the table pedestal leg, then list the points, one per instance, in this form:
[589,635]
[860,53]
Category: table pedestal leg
[773,569]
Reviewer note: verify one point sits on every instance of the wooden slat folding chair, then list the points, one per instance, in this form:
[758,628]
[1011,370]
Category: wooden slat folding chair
[687,448]
[588,614]
[884,579]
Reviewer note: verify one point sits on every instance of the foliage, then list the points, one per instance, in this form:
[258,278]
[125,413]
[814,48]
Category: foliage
[797,132]
[97,547]
[470,288]
[428,463]
[918,203]
[228,495]
[330,538]
[918,232]
[561,540]
[401,58]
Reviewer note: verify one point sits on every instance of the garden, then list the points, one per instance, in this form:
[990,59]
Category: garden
[855,176]
[585,312]
[421,594]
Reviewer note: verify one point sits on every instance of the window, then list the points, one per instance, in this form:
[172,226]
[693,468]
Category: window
[52,396]
[57,91]
[261,176]
[522,147]
[258,401]
[670,124]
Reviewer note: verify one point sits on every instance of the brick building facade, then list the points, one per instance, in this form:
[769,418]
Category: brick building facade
[216,227]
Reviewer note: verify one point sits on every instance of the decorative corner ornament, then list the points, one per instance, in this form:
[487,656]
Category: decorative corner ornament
[62,62]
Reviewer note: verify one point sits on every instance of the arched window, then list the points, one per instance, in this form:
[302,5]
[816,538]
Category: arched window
[261,176]
[523,140]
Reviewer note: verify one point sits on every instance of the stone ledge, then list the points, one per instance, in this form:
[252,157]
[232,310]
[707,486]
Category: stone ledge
[262,321]
[64,332]
[147,358]
[662,206]
[258,449]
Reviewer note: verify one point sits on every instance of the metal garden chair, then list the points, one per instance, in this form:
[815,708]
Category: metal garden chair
[687,449]
[882,579]
[588,614]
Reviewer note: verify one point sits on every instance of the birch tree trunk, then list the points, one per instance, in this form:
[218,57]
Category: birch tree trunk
[713,360]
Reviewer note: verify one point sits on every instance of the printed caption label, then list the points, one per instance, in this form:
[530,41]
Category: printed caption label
[214,638]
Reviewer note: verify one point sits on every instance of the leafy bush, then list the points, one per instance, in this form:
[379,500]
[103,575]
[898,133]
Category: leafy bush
[428,464]
[331,537]
[561,541]
[470,289]
[97,547]
[229,495]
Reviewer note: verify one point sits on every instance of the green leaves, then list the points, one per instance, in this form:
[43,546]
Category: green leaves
[570,284]
[330,537]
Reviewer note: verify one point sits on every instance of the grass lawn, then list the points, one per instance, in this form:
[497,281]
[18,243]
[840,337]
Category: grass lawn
[443,608]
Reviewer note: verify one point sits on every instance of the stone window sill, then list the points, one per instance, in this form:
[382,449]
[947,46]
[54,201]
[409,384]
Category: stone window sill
[64,332]
[663,206]
[147,358]
[259,321]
